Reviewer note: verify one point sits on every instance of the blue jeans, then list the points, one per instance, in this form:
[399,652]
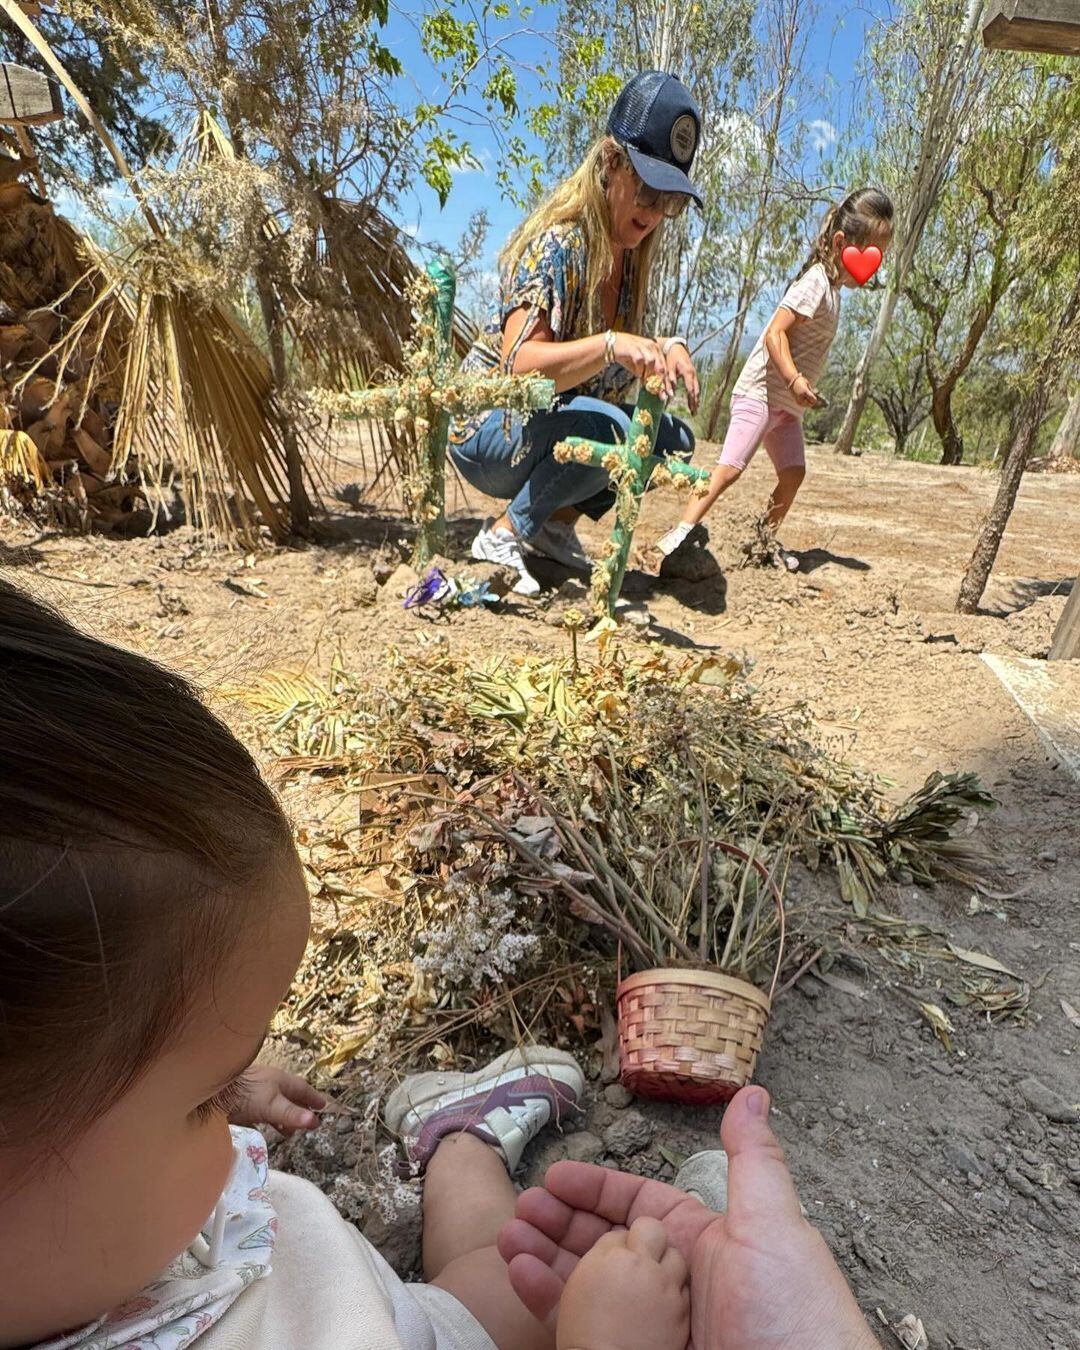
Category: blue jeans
[520,468]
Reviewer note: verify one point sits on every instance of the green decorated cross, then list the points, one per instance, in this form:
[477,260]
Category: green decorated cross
[631,467]
[432,392]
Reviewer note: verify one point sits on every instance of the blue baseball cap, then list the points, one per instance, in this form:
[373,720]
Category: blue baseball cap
[659,123]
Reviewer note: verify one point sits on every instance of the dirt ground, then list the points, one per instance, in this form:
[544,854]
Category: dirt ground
[942,1192]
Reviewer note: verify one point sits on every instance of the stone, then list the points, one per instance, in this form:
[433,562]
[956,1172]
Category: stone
[401,580]
[583,1146]
[1020,1184]
[1048,855]
[959,1159]
[838,1112]
[360,590]
[618,1096]
[398,1239]
[628,1134]
[1048,1103]
[500,580]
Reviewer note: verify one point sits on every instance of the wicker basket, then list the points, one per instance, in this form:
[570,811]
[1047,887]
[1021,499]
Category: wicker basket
[693,1036]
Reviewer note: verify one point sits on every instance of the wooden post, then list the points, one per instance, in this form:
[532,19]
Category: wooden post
[1033,26]
[27,97]
[1066,643]
[1042,26]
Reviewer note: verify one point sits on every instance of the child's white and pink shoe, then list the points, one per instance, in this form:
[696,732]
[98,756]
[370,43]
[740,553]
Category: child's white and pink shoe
[506,1104]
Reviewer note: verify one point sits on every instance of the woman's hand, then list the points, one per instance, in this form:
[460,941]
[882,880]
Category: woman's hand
[680,366]
[803,393]
[642,357]
[274,1097]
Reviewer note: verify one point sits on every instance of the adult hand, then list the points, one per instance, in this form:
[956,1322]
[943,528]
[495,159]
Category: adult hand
[273,1097]
[803,393]
[680,366]
[641,356]
[760,1276]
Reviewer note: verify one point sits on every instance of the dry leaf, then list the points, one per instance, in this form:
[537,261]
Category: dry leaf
[911,1334]
[1071,1013]
[939,1022]
[981,959]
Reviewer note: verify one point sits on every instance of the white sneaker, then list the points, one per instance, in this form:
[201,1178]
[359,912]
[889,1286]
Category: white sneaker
[558,539]
[501,546]
[506,1104]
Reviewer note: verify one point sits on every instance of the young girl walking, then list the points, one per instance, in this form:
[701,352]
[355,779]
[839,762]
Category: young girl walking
[152,914]
[777,382]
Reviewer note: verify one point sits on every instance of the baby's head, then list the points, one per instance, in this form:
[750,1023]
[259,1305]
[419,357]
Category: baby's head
[864,217]
[152,913]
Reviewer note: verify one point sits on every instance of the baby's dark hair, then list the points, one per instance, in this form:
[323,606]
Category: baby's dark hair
[858,215]
[133,824]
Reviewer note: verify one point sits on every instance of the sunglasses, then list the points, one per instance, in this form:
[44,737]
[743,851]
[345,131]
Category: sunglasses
[670,204]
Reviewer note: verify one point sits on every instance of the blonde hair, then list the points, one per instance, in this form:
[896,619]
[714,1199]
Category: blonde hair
[582,200]
[857,216]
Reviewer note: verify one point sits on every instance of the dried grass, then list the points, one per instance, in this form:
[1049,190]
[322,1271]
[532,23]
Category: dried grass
[500,829]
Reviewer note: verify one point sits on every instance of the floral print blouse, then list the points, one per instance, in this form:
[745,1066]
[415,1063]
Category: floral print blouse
[549,281]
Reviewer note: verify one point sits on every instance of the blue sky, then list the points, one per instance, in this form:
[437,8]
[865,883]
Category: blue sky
[834,47]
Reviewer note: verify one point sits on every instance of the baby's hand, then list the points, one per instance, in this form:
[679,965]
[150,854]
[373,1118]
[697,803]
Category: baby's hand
[274,1097]
[629,1292]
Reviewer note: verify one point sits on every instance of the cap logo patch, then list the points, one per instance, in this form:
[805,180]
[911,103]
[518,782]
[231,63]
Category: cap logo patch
[684,138]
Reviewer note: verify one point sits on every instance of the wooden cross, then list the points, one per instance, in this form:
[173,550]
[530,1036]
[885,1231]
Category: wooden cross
[433,391]
[630,466]
[1042,26]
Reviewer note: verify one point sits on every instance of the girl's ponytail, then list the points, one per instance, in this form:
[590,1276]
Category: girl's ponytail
[856,217]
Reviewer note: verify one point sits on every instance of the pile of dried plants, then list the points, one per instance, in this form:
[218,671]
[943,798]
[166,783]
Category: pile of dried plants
[497,832]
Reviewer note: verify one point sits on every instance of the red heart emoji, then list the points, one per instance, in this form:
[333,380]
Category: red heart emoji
[862,263]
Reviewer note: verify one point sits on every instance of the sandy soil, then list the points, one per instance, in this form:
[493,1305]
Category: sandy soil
[939,1189]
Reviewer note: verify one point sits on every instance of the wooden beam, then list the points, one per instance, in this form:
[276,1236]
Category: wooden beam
[1033,26]
[28,97]
[1066,643]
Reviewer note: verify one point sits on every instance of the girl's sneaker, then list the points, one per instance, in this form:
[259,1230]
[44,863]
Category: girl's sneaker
[506,1104]
[786,559]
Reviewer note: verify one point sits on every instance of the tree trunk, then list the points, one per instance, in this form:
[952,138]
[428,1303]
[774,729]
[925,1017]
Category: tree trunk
[1067,439]
[860,386]
[1028,421]
[1066,643]
[952,443]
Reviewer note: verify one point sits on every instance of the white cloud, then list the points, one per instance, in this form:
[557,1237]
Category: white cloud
[822,134]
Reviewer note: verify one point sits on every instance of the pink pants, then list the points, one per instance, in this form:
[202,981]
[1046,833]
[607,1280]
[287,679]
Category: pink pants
[753,422]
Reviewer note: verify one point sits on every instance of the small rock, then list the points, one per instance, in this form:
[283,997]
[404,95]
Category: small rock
[401,580]
[940,1066]
[1047,1102]
[397,1239]
[360,590]
[838,1112]
[618,1096]
[383,569]
[995,1202]
[1036,1282]
[500,581]
[628,1134]
[1048,855]
[1020,1184]
[818,1133]
[1030,1156]
[959,1159]
[582,1146]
